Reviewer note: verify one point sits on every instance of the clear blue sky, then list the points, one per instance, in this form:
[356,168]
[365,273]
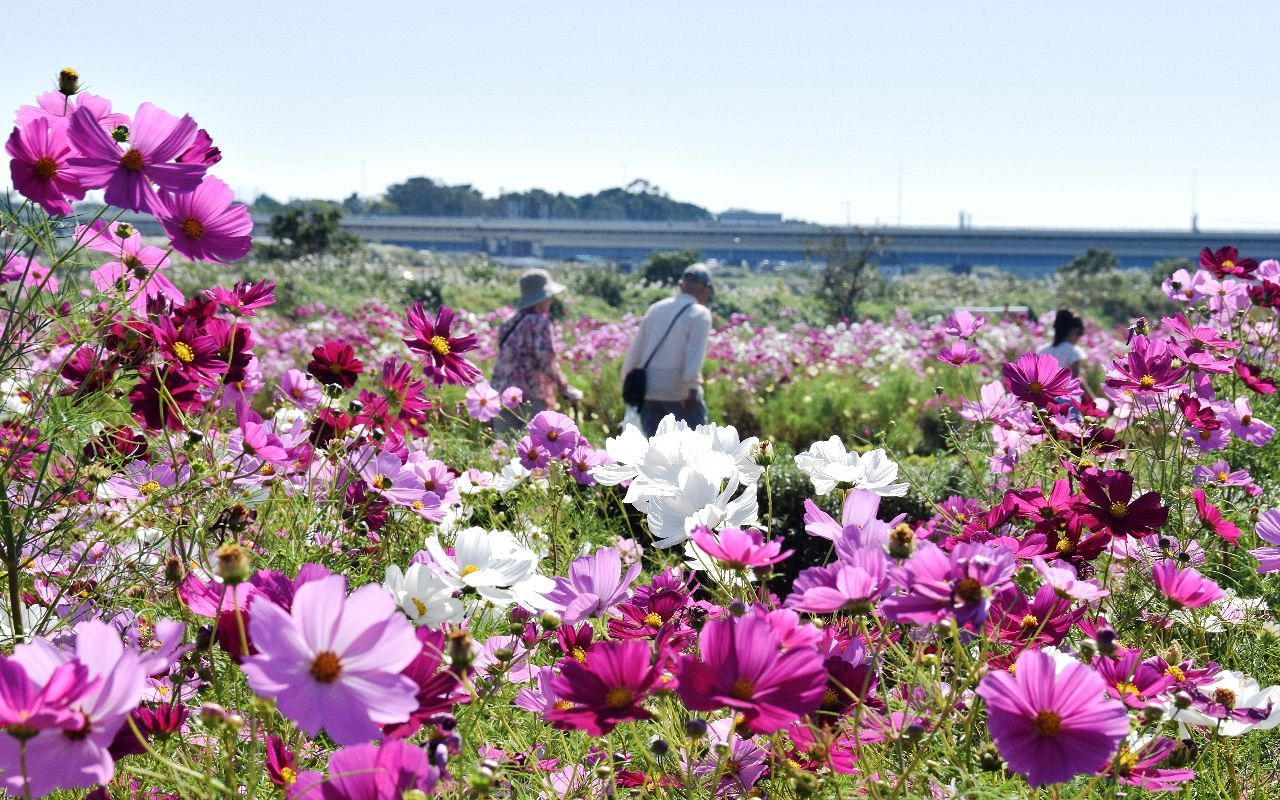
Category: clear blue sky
[1063,114]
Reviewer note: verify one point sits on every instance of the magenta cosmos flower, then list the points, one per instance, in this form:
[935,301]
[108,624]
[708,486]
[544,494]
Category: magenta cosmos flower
[1038,379]
[1051,727]
[739,549]
[366,772]
[156,139]
[936,584]
[1186,588]
[963,324]
[1147,369]
[432,339]
[553,432]
[957,354]
[608,687]
[335,661]
[206,224]
[741,666]
[39,168]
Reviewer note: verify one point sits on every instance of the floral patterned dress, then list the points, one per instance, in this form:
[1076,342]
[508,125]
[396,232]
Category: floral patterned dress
[527,359]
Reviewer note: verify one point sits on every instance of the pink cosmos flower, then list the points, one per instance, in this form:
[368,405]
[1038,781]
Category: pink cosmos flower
[156,138]
[1219,473]
[300,389]
[334,661]
[1186,588]
[204,224]
[607,688]
[1147,369]
[137,270]
[1066,583]
[740,666]
[959,353]
[432,338]
[850,584]
[483,403]
[1211,517]
[39,167]
[583,460]
[56,108]
[532,457]
[553,432]
[1134,682]
[390,771]
[512,397]
[1246,426]
[1268,530]
[963,324]
[1051,727]
[1039,380]
[739,549]
[245,298]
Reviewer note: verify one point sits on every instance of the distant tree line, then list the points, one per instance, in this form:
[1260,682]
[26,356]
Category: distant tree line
[639,200]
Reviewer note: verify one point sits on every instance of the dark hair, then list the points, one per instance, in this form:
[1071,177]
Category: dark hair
[1066,323]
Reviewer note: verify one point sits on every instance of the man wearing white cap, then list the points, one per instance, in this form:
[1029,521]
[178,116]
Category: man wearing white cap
[527,354]
[670,348]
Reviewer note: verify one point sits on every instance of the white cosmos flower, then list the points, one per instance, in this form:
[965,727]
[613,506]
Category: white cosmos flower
[701,501]
[828,465]
[423,595]
[493,565]
[1244,693]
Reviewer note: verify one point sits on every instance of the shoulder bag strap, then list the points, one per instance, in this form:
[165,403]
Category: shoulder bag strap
[658,346]
[519,319]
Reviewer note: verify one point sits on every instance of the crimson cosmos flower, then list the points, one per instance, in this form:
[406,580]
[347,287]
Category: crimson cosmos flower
[1253,378]
[335,364]
[1109,505]
[431,338]
[1227,261]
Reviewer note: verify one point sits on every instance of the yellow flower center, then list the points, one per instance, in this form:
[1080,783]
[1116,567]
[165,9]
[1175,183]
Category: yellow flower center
[829,697]
[1147,382]
[579,654]
[381,482]
[1228,264]
[1127,687]
[743,689]
[1063,545]
[267,471]
[618,697]
[184,352]
[1126,761]
[325,667]
[468,569]
[1047,723]
[287,776]
[1029,622]
[1119,510]
[562,705]
[1036,387]
[45,168]
[1222,477]
[440,345]
[652,619]
[149,487]
[132,161]
[1174,671]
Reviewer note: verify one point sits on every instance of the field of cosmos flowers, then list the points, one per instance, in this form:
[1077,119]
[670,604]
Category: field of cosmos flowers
[262,552]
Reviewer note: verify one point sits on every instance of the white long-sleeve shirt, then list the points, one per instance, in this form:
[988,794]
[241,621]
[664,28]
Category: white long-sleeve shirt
[677,365]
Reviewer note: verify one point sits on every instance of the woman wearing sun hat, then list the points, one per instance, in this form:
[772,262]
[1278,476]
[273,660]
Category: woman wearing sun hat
[527,354]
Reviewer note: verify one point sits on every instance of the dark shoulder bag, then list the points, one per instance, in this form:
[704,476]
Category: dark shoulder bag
[635,382]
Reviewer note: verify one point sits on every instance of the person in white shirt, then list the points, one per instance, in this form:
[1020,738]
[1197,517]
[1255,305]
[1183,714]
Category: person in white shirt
[674,363]
[1068,327]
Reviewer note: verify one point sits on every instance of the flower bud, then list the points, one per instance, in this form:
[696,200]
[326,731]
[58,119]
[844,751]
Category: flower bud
[1181,755]
[659,746]
[413,794]
[1152,714]
[902,541]
[174,570]
[194,438]
[120,133]
[764,453]
[695,728]
[806,783]
[233,564]
[1106,640]
[989,758]
[204,637]
[738,608]
[549,620]
[69,81]
[604,772]
[332,391]
[1088,649]
[460,650]
[213,715]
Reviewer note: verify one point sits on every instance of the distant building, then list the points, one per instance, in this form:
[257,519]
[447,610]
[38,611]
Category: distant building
[739,216]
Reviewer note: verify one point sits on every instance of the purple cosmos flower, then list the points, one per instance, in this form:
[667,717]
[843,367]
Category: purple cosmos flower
[850,584]
[741,666]
[532,456]
[140,479]
[432,338]
[334,661]
[1140,766]
[963,324]
[245,298]
[78,755]
[859,526]
[1065,582]
[1051,727]
[935,585]
[156,138]
[1268,530]
[368,772]
[1219,473]
[301,389]
[39,167]
[57,108]
[1186,588]
[607,688]
[739,549]
[594,585]
[385,474]
[512,397]
[1147,368]
[1130,680]
[583,459]
[483,403]
[205,224]
[554,432]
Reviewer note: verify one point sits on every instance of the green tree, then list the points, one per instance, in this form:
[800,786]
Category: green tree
[1093,262]
[666,268]
[297,233]
[850,271]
